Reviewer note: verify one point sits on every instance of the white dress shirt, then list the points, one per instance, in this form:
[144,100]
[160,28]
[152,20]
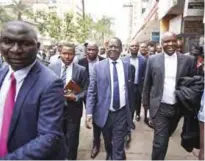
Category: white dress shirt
[19,75]
[170,73]
[69,71]
[121,79]
[135,63]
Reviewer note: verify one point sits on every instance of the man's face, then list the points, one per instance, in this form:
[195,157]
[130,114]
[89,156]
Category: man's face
[67,55]
[143,49]
[195,51]
[169,44]
[114,49]
[151,50]
[18,45]
[102,51]
[134,47]
[159,49]
[180,46]
[92,52]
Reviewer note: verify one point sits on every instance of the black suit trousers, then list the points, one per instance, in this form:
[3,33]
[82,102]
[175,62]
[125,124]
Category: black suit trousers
[96,135]
[137,100]
[71,128]
[114,133]
[164,123]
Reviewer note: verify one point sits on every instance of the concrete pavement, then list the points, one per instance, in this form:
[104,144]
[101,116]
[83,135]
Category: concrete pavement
[140,147]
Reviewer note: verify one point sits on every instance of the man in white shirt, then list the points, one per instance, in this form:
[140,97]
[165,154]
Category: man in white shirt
[108,100]
[69,71]
[162,72]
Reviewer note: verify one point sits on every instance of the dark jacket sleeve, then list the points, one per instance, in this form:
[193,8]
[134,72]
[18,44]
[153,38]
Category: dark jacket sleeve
[48,127]
[147,84]
[84,85]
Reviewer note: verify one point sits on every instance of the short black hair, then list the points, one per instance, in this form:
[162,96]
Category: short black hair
[118,39]
[70,45]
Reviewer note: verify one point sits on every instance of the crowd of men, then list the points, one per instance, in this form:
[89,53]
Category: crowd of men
[39,119]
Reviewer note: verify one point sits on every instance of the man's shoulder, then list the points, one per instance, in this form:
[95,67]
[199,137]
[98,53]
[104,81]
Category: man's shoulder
[46,74]
[82,61]
[79,67]
[126,58]
[101,58]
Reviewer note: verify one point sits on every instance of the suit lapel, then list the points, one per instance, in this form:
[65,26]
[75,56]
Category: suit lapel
[179,66]
[161,68]
[25,88]
[3,74]
[126,68]
[107,68]
[58,68]
[74,73]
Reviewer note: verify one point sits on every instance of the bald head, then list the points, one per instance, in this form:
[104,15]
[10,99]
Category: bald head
[18,44]
[92,43]
[20,28]
[169,43]
[92,51]
[134,47]
[168,35]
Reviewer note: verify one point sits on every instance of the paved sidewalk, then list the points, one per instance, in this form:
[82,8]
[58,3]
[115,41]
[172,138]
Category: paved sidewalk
[141,145]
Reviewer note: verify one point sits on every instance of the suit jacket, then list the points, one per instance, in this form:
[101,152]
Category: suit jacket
[99,92]
[154,78]
[35,129]
[142,67]
[80,76]
[84,62]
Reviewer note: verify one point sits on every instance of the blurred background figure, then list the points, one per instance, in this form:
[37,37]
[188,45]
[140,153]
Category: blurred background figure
[158,49]
[56,55]
[102,52]
[180,46]
[152,50]
[144,50]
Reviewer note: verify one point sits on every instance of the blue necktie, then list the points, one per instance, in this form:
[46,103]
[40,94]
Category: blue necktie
[63,77]
[116,94]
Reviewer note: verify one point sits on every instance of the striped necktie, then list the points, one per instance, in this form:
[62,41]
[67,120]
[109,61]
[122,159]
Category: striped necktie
[63,76]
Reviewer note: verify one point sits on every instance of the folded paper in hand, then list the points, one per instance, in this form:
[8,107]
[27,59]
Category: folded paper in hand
[72,87]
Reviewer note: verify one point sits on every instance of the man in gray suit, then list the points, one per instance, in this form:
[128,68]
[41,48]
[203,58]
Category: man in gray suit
[108,99]
[67,70]
[162,72]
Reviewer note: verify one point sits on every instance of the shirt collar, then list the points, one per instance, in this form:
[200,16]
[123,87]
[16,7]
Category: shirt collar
[21,73]
[63,64]
[118,60]
[172,56]
[93,61]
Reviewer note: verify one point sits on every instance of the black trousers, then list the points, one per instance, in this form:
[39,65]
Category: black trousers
[96,135]
[137,100]
[71,130]
[114,133]
[164,123]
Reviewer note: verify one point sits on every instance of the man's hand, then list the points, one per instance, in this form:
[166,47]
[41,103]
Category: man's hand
[89,122]
[71,97]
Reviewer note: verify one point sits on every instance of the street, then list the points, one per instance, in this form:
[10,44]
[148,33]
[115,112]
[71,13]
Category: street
[140,147]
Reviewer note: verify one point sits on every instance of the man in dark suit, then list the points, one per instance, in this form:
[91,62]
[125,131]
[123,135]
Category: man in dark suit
[162,72]
[67,70]
[91,59]
[108,102]
[139,62]
[31,98]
